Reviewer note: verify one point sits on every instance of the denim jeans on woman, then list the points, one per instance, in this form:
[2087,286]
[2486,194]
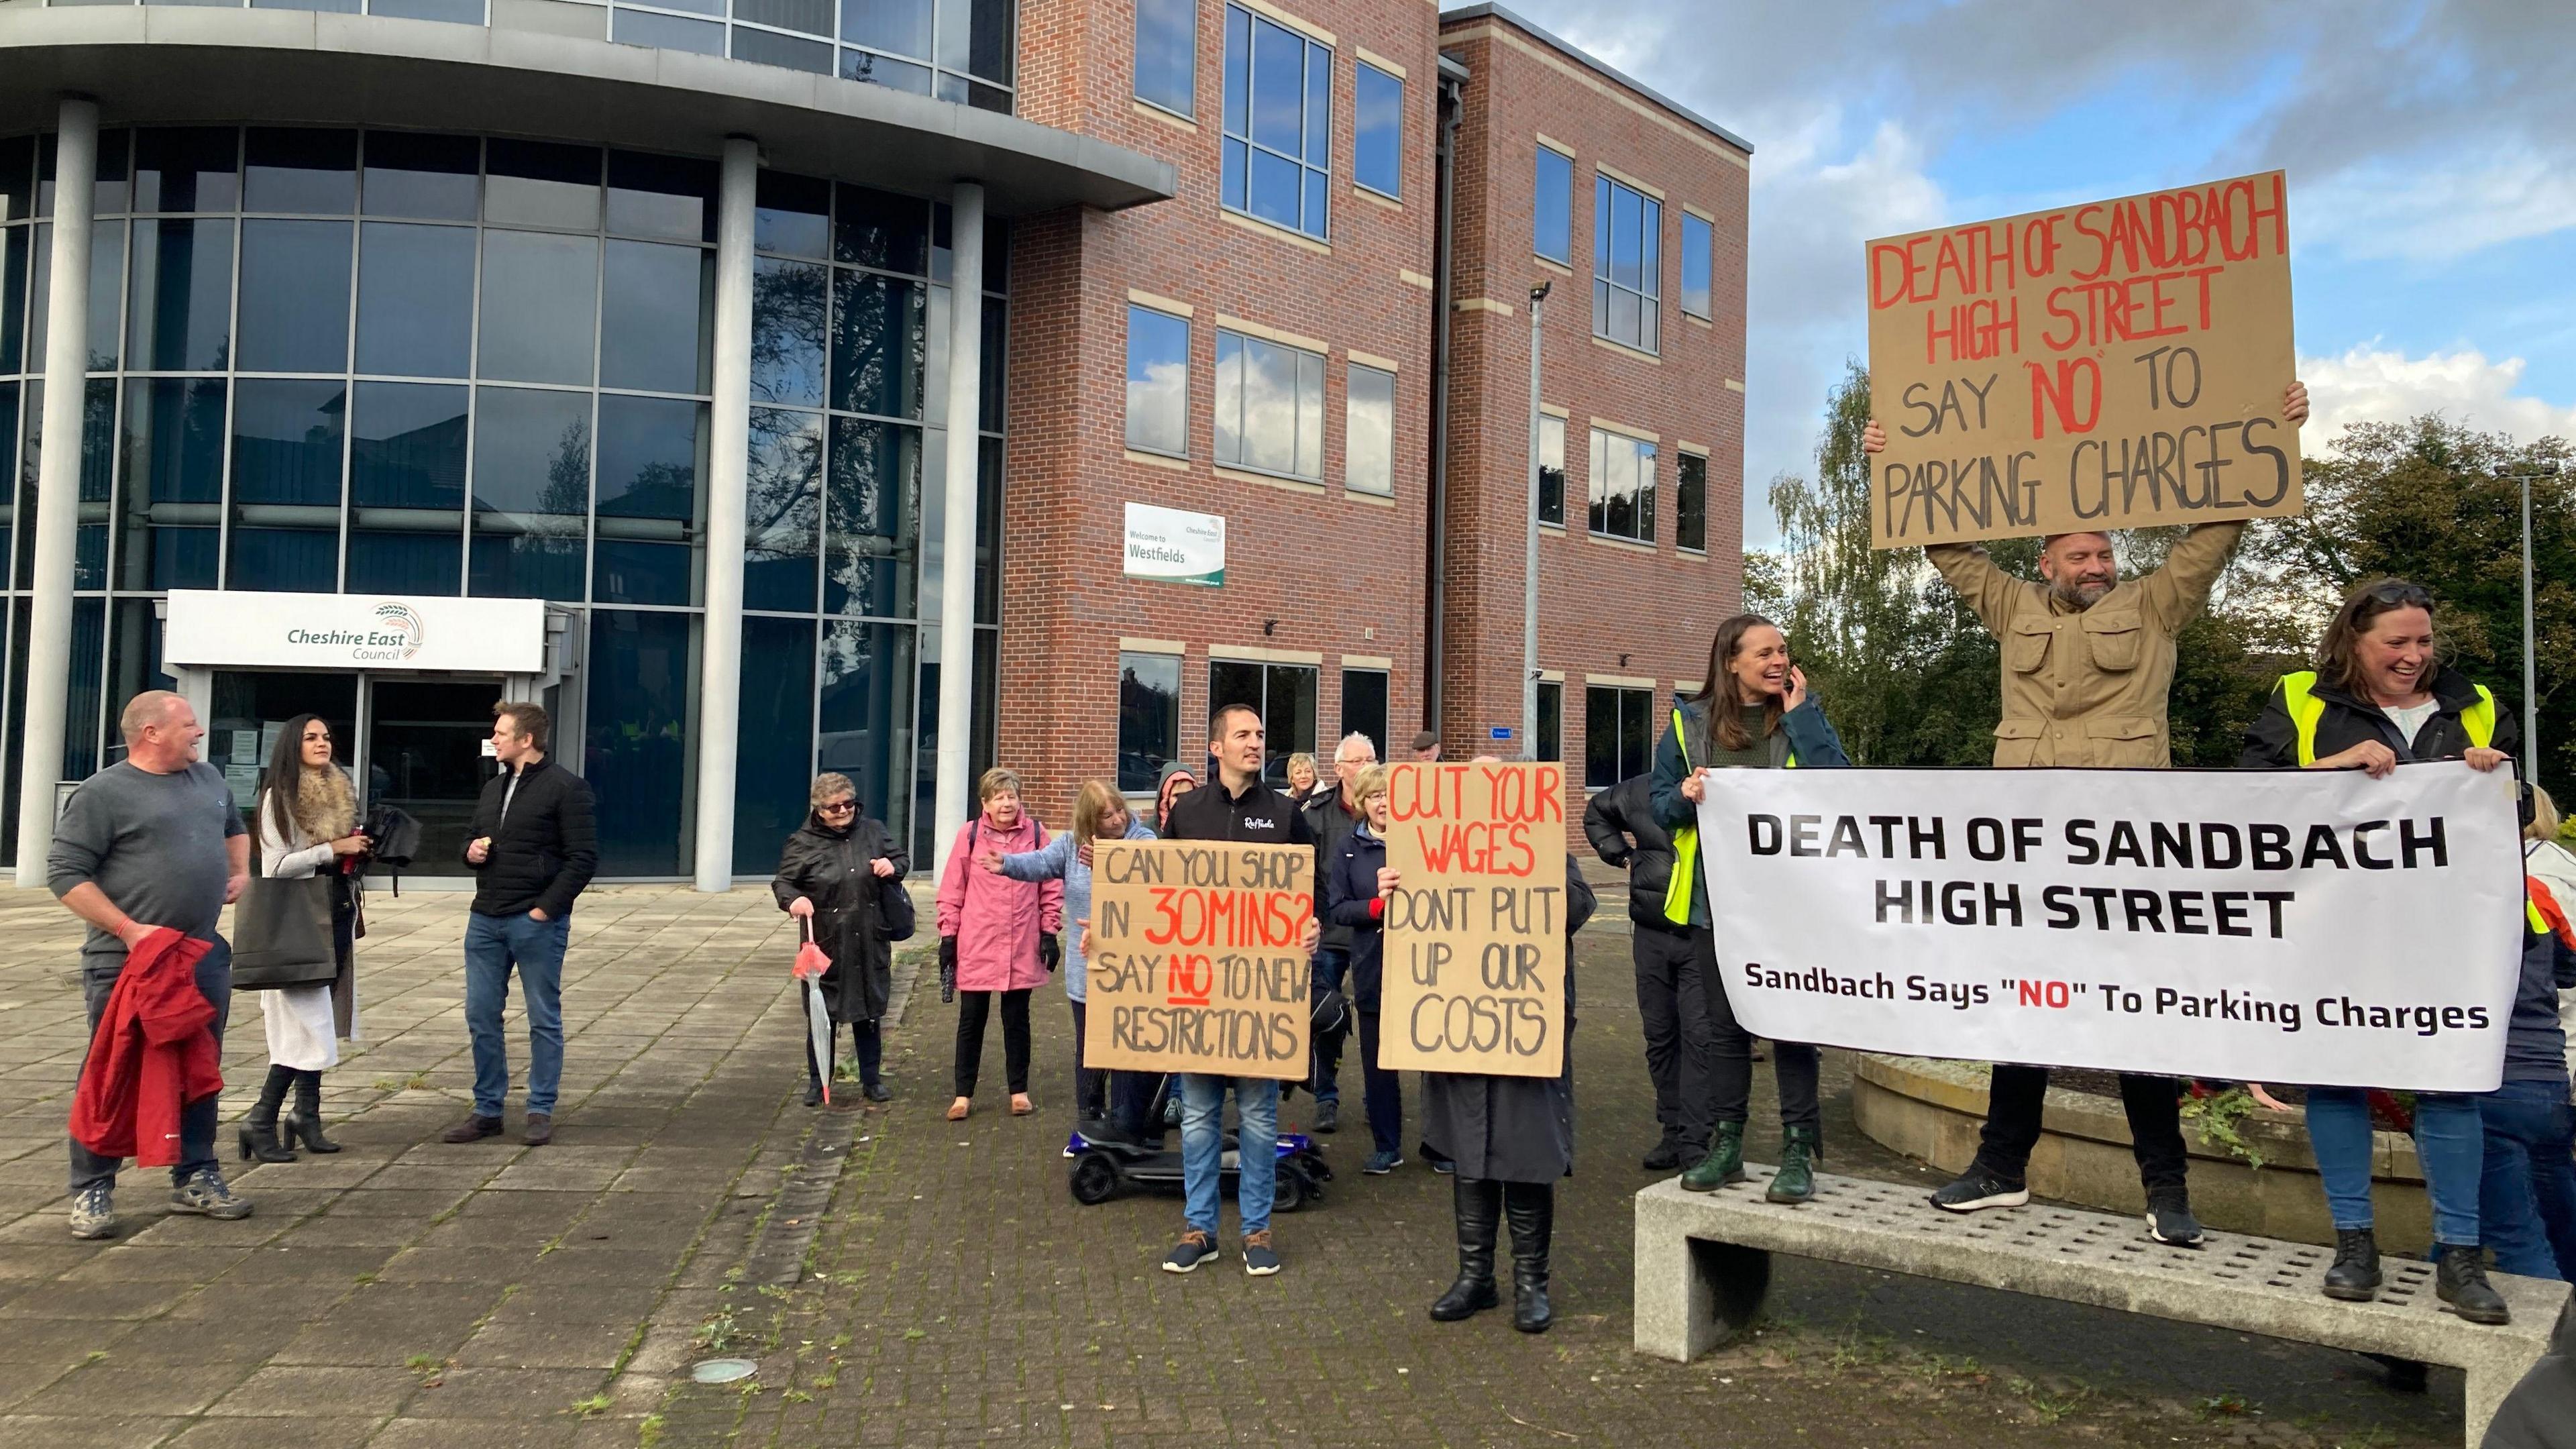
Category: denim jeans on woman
[2449,1142]
[1256,1102]
[493,945]
[2527,1200]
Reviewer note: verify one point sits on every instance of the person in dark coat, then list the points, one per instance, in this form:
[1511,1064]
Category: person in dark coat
[1620,823]
[1356,883]
[1511,1138]
[828,876]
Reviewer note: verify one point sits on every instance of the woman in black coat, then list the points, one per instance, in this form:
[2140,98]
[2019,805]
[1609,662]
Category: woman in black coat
[1355,897]
[1512,1138]
[829,875]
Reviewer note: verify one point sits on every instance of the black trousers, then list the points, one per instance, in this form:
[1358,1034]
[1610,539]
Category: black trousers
[1793,1064]
[871,1050]
[972,1009]
[1090,1086]
[1675,1051]
[2154,1105]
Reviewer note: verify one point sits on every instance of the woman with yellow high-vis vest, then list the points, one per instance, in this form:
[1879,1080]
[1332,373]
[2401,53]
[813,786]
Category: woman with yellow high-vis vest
[2380,695]
[1753,713]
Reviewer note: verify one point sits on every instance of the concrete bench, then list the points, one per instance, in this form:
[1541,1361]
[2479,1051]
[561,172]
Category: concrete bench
[1704,1266]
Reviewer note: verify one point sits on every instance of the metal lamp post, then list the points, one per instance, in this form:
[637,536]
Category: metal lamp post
[1529,570]
[2524,474]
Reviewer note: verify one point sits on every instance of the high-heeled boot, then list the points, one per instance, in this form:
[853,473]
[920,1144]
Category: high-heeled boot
[259,1130]
[1479,1202]
[1531,1209]
[306,1124]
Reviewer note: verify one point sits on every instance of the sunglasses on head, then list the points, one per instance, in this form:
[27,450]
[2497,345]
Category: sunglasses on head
[2401,595]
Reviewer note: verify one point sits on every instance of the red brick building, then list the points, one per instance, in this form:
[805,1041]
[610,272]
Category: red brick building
[1262,348]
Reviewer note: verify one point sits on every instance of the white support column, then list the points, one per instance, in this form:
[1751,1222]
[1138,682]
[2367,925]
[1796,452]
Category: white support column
[954,785]
[48,664]
[728,455]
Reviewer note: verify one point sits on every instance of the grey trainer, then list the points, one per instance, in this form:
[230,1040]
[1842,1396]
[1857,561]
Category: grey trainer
[205,1193]
[94,1211]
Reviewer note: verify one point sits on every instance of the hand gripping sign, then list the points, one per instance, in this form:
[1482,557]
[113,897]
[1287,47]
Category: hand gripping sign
[1197,957]
[1475,931]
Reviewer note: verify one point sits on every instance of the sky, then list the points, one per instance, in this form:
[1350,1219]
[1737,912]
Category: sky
[2430,147]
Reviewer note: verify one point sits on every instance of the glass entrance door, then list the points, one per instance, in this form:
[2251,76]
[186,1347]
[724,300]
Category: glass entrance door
[250,709]
[425,742]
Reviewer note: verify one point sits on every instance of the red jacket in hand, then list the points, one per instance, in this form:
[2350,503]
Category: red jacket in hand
[154,1052]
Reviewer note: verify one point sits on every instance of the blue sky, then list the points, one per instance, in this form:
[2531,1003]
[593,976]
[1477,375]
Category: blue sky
[2430,146]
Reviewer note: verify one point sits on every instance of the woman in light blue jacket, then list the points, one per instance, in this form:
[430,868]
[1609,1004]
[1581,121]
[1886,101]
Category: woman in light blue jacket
[1098,812]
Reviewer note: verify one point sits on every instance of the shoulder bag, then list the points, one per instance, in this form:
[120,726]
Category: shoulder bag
[282,934]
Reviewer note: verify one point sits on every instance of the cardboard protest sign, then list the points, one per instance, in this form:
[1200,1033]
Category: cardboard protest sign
[2101,366]
[1475,932]
[1196,961]
[2229,925]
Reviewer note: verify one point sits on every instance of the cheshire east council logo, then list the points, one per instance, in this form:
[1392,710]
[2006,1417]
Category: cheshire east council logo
[403,623]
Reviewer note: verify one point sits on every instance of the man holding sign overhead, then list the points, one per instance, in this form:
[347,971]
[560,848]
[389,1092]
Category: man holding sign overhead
[2069,372]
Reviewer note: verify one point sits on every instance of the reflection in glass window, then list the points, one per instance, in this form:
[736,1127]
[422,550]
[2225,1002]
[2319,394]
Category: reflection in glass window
[171,481]
[782,510]
[531,492]
[1552,207]
[286,442]
[1368,434]
[1627,265]
[1551,469]
[1551,721]
[657,315]
[420,176]
[879,345]
[415,299]
[294,296]
[300,170]
[1149,720]
[540,306]
[1699,243]
[407,451]
[1623,487]
[1278,123]
[882,229]
[792,215]
[787,332]
[635,739]
[1618,736]
[1690,511]
[772,767]
[1158,381]
[1377,120]
[1167,55]
[672,198]
[871,493]
[1364,707]
[768,47]
[178,313]
[541,184]
[187,168]
[1269,406]
[864,714]
[1285,696]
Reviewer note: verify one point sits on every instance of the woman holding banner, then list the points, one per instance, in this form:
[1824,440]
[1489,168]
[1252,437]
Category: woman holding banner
[2380,695]
[827,878]
[1099,813]
[1754,713]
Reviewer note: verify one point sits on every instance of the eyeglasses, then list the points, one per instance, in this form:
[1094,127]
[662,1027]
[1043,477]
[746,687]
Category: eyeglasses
[2399,594]
[837,807]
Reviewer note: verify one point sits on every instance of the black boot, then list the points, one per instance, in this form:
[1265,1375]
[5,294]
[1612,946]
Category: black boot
[259,1130]
[1480,1210]
[2461,1281]
[306,1124]
[2354,1275]
[1531,1206]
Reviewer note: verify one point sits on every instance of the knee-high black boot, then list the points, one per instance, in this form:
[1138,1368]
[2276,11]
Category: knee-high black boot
[1531,1206]
[259,1130]
[306,1124]
[1479,1206]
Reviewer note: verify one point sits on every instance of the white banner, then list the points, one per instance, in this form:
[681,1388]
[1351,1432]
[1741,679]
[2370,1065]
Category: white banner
[240,627]
[2315,927]
[1175,546]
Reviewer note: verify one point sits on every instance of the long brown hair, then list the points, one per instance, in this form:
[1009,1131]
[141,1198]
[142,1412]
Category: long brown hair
[1721,721]
[2338,661]
[1091,804]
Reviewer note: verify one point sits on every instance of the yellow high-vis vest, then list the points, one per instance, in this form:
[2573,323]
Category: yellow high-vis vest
[1677,893]
[2298,694]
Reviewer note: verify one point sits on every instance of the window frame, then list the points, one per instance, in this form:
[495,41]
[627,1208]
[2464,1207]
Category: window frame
[1314,54]
[1128,422]
[1550,744]
[1128,660]
[1350,428]
[1550,423]
[1136,73]
[1700,234]
[1386,709]
[1606,289]
[1243,342]
[1361,71]
[1684,485]
[1274,754]
[1537,181]
[1625,698]
[1596,495]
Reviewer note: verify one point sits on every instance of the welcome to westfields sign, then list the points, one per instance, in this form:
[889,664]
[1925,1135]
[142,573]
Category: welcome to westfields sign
[2305,926]
[242,629]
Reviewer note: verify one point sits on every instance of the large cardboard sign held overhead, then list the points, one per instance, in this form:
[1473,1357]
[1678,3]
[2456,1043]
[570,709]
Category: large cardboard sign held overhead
[1474,977]
[2100,366]
[1197,962]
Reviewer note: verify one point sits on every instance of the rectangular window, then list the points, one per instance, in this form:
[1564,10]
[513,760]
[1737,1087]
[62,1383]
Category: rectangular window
[1623,487]
[1377,118]
[1278,123]
[1552,207]
[1618,738]
[1699,247]
[1690,511]
[1368,435]
[1167,49]
[1551,470]
[1627,265]
[1149,719]
[1269,406]
[1285,696]
[1551,720]
[1158,382]
[1364,707]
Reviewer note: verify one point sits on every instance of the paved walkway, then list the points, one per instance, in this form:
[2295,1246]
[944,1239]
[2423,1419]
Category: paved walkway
[903,1280]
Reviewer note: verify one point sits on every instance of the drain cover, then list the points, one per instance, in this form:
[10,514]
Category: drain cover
[722,1370]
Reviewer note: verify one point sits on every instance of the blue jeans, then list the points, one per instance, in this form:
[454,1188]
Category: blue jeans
[493,945]
[2527,1200]
[197,1118]
[1256,1102]
[1331,966]
[2448,1140]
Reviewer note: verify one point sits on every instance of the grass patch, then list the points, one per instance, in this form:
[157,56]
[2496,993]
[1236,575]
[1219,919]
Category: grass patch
[718,1333]
[595,1404]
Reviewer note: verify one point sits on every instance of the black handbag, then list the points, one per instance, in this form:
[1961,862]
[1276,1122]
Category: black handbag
[895,910]
[282,934]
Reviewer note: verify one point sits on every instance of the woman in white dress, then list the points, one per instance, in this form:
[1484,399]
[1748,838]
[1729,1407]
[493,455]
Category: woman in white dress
[306,824]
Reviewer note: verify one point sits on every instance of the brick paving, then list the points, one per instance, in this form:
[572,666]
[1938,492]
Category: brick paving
[412,1293]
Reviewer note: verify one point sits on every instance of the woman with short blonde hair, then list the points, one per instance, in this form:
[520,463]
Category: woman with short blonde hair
[997,935]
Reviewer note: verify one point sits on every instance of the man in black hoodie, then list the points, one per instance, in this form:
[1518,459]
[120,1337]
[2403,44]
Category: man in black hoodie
[533,846]
[1620,823]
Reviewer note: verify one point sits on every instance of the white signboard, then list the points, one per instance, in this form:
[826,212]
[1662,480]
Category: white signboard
[2302,926]
[354,631]
[1174,546]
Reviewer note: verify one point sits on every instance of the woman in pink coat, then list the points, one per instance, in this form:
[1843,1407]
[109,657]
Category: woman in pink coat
[997,936]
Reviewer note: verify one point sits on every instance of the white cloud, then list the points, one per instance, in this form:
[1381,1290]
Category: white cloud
[2436,208]
[2371,383]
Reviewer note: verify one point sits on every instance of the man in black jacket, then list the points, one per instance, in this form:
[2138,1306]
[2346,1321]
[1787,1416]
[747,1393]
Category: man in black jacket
[533,846]
[1620,823]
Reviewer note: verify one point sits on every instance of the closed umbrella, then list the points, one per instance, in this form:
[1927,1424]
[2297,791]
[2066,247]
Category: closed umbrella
[811,962]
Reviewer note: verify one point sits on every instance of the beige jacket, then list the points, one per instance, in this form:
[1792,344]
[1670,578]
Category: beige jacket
[2088,687]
